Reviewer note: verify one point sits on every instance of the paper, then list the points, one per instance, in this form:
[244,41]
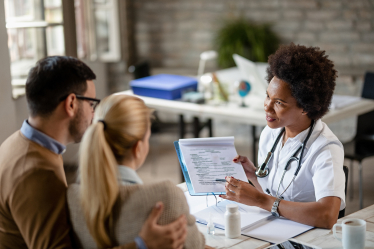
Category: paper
[340,101]
[276,230]
[249,215]
[208,159]
[255,222]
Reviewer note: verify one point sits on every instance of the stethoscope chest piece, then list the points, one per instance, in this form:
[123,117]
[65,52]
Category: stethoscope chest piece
[262,172]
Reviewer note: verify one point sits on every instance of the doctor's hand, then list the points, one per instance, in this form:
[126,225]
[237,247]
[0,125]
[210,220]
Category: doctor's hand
[248,166]
[242,192]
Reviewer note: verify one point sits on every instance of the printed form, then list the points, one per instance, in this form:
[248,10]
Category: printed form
[208,159]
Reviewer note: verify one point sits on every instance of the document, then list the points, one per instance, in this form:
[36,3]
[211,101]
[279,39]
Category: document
[276,230]
[255,222]
[340,101]
[209,159]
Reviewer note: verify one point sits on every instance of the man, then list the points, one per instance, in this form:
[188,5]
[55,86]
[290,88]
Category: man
[33,213]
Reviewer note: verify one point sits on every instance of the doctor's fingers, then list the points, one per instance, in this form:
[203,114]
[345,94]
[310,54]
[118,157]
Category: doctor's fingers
[241,159]
[234,182]
[230,191]
[229,185]
[226,197]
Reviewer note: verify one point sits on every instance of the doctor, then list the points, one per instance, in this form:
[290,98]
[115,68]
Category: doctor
[301,83]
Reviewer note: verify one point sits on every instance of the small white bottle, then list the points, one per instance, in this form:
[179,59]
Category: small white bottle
[232,221]
[210,226]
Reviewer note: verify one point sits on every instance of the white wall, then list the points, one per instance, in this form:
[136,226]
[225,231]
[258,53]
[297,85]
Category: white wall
[8,123]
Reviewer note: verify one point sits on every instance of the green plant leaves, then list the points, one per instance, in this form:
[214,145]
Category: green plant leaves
[252,41]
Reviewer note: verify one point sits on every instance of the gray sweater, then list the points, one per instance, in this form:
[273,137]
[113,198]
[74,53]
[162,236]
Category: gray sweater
[134,206]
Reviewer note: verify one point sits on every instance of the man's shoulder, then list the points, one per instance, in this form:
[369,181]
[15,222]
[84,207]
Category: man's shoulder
[21,158]
[16,137]
[17,148]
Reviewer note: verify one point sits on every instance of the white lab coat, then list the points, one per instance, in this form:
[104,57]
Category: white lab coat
[321,172]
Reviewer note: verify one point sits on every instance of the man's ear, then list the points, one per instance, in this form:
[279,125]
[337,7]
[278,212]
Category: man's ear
[71,105]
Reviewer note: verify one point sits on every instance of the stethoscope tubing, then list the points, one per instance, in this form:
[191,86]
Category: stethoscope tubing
[264,167]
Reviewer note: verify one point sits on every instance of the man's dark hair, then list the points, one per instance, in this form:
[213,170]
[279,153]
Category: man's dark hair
[52,79]
[309,73]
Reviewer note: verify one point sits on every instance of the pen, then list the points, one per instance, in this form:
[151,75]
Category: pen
[220,180]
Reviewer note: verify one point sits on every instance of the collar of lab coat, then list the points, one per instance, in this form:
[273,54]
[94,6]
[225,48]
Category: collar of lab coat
[302,135]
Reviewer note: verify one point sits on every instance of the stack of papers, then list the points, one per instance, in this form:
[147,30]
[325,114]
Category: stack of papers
[255,222]
[340,101]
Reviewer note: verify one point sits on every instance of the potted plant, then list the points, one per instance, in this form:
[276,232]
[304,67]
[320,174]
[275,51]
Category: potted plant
[250,40]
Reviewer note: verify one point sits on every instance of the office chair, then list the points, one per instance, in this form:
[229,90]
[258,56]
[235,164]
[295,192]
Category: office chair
[346,170]
[362,145]
[140,69]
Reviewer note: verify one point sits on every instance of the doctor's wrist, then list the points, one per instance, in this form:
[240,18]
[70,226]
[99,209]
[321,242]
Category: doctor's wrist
[266,201]
[252,179]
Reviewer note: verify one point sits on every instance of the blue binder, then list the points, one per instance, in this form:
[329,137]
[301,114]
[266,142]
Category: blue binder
[163,86]
[187,176]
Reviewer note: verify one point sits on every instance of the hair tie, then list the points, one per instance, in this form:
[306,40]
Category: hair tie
[102,121]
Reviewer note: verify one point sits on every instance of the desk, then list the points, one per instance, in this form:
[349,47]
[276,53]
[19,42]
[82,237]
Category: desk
[244,115]
[318,237]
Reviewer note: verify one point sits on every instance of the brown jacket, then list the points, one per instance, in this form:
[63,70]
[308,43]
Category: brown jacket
[134,205]
[33,211]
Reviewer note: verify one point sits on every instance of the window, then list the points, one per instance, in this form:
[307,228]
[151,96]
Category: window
[98,32]
[35,30]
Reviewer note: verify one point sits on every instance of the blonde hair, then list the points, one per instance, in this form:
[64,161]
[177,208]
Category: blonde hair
[120,121]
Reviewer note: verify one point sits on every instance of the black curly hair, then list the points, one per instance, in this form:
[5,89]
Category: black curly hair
[309,73]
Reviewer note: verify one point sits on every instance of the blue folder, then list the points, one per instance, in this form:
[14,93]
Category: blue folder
[164,86]
[187,176]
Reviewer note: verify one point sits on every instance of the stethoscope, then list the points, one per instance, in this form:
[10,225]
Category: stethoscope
[263,171]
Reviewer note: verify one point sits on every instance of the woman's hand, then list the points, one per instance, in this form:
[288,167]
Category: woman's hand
[243,192]
[248,166]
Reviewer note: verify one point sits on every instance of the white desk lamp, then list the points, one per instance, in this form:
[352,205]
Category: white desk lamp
[205,56]
[205,81]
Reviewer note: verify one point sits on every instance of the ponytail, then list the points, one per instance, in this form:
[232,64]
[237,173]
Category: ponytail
[120,121]
[99,184]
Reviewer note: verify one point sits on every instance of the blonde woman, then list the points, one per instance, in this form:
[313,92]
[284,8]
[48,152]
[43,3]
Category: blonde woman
[110,205]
